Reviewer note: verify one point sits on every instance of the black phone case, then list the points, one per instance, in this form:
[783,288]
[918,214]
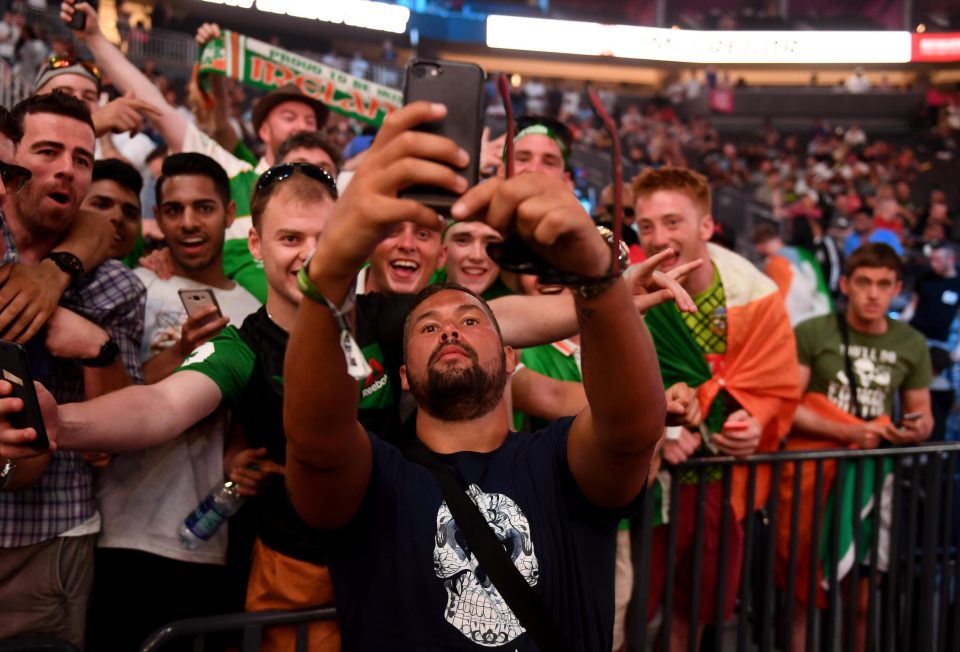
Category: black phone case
[459,86]
[15,369]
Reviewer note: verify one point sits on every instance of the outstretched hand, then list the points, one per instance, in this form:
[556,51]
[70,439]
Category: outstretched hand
[541,210]
[651,287]
[370,207]
[124,114]
[207,32]
[92,28]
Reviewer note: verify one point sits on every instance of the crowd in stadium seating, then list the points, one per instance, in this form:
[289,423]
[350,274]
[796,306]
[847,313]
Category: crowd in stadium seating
[124,194]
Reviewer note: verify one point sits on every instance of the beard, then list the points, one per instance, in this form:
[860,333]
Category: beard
[459,394]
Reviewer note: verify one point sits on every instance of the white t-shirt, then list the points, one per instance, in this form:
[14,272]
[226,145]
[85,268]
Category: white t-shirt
[134,148]
[145,495]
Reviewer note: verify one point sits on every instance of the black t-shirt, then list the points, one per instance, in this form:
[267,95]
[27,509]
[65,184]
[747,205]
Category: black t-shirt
[939,299]
[379,333]
[405,579]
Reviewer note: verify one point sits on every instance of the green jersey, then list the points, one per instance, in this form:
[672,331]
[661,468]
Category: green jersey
[883,364]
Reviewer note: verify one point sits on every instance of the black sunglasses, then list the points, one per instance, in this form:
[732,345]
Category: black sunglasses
[284,171]
[14,177]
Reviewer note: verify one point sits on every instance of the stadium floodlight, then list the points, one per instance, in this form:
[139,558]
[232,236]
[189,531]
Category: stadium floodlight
[697,46]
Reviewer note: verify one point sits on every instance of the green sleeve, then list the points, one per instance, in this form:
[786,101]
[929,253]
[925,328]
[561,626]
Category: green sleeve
[921,374]
[241,189]
[244,153]
[226,360]
[806,334]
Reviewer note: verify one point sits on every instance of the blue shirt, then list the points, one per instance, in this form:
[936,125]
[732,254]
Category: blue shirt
[885,236]
[405,578]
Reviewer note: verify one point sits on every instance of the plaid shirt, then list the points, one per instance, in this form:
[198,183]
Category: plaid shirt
[112,296]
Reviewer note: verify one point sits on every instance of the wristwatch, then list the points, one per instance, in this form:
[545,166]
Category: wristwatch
[109,352]
[7,472]
[68,264]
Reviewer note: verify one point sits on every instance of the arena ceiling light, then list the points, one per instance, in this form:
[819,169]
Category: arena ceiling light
[696,46]
[355,13]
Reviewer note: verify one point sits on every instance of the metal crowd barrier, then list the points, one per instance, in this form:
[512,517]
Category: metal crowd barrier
[250,625]
[13,87]
[913,605]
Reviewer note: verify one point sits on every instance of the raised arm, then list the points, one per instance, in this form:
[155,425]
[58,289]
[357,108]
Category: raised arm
[171,125]
[612,439]
[328,452]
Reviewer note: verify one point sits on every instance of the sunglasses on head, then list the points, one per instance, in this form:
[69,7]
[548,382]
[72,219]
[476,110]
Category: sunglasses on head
[60,62]
[14,177]
[284,171]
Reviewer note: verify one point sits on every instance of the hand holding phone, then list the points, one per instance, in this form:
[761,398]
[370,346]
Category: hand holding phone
[78,21]
[910,417]
[458,86]
[15,369]
[199,301]
[204,319]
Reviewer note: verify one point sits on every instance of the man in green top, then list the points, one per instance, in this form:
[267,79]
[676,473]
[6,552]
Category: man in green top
[887,358]
[279,114]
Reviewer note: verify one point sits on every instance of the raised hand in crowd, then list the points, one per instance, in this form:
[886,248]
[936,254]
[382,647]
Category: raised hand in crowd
[124,114]
[678,451]
[207,32]
[740,435]
[683,408]
[251,470]
[491,154]
[651,287]
[144,95]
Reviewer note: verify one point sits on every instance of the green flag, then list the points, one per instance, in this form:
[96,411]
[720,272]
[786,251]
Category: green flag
[267,67]
[845,558]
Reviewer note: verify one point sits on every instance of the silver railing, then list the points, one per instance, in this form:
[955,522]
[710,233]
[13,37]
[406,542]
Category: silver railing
[13,87]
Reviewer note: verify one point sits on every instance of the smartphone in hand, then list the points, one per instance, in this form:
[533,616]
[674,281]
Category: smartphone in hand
[15,369]
[459,86]
[196,301]
[79,20]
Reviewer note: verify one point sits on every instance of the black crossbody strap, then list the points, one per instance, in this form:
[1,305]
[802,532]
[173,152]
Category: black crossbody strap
[847,365]
[519,596]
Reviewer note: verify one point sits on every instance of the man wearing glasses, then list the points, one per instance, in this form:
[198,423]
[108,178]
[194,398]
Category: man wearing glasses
[48,517]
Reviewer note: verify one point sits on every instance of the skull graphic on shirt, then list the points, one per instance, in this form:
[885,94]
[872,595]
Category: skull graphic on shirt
[474,605]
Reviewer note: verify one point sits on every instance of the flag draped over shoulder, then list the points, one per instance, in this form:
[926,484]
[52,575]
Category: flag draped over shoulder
[820,405]
[760,369]
[267,67]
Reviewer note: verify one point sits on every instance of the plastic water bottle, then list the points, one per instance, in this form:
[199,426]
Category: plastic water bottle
[212,512]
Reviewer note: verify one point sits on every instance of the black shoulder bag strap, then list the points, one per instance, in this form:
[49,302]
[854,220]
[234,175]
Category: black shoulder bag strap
[847,365]
[519,596]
